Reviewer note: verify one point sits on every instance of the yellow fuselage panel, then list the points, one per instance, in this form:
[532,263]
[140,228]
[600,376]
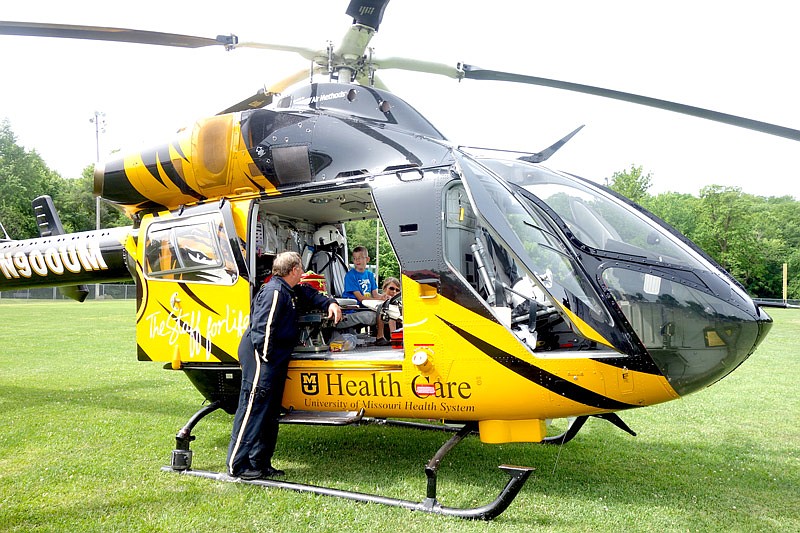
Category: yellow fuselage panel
[193,323]
[473,369]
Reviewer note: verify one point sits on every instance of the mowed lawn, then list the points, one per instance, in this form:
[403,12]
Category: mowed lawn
[85,429]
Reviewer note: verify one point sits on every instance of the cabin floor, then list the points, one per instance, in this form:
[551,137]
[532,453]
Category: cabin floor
[364,350]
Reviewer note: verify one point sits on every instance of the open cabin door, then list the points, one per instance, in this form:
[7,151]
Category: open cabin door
[409,206]
[531,260]
[194,304]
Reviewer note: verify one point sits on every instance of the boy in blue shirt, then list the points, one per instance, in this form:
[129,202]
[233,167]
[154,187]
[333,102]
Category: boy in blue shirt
[359,284]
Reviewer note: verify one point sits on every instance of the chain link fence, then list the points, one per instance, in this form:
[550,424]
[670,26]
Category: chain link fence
[106,291]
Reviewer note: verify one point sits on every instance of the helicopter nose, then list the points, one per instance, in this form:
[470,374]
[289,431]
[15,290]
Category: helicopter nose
[694,335]
[698,347]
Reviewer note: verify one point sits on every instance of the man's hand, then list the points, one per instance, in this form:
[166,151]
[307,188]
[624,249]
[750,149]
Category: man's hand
[334,312]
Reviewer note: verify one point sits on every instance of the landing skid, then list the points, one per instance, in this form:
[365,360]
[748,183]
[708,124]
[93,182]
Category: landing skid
[487,512]
[182,461]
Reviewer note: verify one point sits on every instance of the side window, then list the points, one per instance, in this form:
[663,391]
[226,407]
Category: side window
[460,231]
[159,252]
[195,250]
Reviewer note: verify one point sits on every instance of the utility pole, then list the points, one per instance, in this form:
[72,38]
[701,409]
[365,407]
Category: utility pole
[785,282]
[99,121]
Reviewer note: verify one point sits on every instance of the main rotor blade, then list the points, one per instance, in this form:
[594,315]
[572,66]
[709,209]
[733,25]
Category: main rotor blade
[99,33]
[367,16]
[415,65]
[306,53]
[477,73]
[260,99]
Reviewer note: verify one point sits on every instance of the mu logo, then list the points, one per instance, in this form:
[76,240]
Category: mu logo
[309,383]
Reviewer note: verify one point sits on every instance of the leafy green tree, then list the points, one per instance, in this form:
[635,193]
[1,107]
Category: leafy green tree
[388,265]
[676,209]
[750,236]
[361,233]
[23,177]
[632,184]
[787,216]
[777,228]
[726,231]
[77,206]
[793,284]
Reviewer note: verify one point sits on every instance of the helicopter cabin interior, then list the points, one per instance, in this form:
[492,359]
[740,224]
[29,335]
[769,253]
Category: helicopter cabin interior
[516,297]
[313,226]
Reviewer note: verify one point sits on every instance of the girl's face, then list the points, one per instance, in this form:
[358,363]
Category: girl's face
[392,289]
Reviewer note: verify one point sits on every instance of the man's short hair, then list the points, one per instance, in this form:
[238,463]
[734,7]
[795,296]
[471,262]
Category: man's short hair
[363,249]
[284,262]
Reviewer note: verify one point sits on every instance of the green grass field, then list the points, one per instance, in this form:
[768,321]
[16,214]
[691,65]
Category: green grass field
[85,429]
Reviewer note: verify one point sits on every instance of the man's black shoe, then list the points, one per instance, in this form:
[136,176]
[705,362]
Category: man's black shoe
[250,474]
[273,472]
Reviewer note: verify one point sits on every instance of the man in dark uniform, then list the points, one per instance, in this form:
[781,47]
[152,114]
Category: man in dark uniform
[264,354]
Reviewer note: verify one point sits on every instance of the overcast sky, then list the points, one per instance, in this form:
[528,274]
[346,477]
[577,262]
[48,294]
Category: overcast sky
[732,56]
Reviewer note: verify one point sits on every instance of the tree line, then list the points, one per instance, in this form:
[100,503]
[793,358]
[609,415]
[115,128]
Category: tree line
[24,176]
[750,236]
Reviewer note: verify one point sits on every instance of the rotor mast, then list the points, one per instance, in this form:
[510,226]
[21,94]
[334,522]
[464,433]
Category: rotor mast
[347,62]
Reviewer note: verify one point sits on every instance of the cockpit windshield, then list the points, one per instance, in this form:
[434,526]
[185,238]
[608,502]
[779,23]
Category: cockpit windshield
[518,261]
[696,322]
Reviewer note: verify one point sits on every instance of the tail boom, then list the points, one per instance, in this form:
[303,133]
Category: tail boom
[69,259]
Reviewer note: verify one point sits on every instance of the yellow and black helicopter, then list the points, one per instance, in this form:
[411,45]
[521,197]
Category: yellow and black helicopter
[527,294]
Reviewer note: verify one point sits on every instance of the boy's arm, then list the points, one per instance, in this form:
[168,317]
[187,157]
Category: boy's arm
[374,288]
[358,296]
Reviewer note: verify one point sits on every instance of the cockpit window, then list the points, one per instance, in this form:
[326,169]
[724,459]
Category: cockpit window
[604,222]
[694,338]
[597,218]
[521,229]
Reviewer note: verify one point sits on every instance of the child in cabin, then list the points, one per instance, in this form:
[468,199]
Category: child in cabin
[391,288]
[360,285]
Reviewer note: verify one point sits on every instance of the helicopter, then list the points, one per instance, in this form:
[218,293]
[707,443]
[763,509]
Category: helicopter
[527,294]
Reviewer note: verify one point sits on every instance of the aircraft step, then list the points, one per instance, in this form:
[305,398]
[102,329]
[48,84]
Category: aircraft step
[328,418]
